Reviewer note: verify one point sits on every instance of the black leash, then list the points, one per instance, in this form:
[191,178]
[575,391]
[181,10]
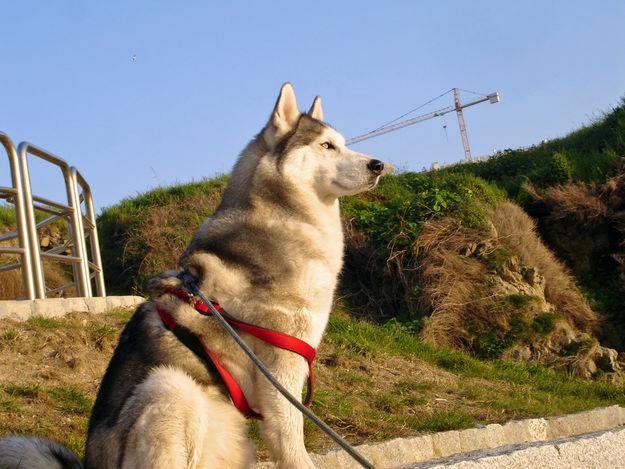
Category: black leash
[191,285]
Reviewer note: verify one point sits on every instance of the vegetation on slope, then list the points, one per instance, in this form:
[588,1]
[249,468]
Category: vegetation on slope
[585,225]
[145,235]
[590,154]
[412,256]
[571,186]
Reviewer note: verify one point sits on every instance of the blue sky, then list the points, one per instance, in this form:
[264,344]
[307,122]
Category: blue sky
[206,76]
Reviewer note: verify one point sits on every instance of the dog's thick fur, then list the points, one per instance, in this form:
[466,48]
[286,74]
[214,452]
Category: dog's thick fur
[270,255]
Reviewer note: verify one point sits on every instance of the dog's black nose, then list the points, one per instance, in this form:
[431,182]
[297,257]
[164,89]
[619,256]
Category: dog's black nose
[375,166]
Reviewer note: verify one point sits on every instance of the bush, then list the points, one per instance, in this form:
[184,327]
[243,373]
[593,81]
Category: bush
[559,170]
[382,227]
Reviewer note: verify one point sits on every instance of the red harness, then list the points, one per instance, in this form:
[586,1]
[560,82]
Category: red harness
[277,339]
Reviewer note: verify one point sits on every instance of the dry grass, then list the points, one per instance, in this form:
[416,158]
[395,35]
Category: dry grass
[54,273]
[11,281]
[450,291]
[585,225]
[516,230]
[473,287]
[575,200]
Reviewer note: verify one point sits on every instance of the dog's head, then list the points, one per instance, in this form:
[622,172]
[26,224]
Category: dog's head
[309,152]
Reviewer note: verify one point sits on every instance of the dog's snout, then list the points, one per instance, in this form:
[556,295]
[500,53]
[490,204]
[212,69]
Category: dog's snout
[375,166]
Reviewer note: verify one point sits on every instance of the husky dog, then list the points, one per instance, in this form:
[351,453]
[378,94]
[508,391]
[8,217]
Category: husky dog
[270,256]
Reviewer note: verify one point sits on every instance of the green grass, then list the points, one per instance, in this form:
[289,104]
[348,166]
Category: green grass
[383,274]
[10,335]
[442,421]
[7,217]
[71,400]
[360,337]
[100,331]
[125,228]
[29,391]
[160,196]
[121,315]
[46,323]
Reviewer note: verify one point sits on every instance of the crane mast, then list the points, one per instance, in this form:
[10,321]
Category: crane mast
[461,124]
[458,106]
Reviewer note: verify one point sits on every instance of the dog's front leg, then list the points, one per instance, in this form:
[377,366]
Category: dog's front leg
[283,425]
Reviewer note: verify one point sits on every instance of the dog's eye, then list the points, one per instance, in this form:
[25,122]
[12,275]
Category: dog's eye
[328,146]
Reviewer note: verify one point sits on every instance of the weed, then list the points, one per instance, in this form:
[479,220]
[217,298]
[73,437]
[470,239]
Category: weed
[442,421]
[520,300]
[100,331]
[122,315]
[10,335]
[28,391]
[46,323]
[9,404]
[589,154]
[544,323]
[71,399]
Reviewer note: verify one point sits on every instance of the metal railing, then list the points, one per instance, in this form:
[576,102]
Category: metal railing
[81,226]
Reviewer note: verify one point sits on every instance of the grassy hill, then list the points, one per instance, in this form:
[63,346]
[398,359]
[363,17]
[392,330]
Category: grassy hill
[574,187]
[431,251]
[590,154]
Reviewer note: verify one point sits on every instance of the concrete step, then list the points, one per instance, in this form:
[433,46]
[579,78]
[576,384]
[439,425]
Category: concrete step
[520,440]
[598,450]
[22,310]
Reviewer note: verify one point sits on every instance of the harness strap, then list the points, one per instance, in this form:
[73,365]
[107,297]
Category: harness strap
[275,338]
[235,391]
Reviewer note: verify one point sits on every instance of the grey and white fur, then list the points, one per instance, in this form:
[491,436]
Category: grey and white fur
[270,255]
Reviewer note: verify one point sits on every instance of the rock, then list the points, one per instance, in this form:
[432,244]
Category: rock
[468,250]
[607,359]
[586,368]
[44,242]
[510,269]
[483,248]
[520,353]
[531,276]
[562,338]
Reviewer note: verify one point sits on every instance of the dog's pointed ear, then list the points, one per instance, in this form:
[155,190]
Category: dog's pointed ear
[316,112]
[284,116]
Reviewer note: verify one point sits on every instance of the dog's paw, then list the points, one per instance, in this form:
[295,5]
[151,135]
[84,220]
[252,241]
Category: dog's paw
[163,281]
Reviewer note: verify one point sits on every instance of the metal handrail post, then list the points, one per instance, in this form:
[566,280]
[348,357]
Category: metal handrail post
[93,235]
[80,239]
[20,217]
[75,222]
[37,269]
[81,270]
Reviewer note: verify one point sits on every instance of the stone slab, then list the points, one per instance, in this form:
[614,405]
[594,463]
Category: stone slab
[597,450]
[425,449]
[22,310]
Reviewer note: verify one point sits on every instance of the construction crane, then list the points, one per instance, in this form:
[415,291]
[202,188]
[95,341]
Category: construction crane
[458,107]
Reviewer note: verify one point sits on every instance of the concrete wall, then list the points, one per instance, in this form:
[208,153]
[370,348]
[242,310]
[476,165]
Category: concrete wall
[22,310]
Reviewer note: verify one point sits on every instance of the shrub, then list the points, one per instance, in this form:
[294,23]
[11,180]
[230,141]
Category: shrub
[559,169]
